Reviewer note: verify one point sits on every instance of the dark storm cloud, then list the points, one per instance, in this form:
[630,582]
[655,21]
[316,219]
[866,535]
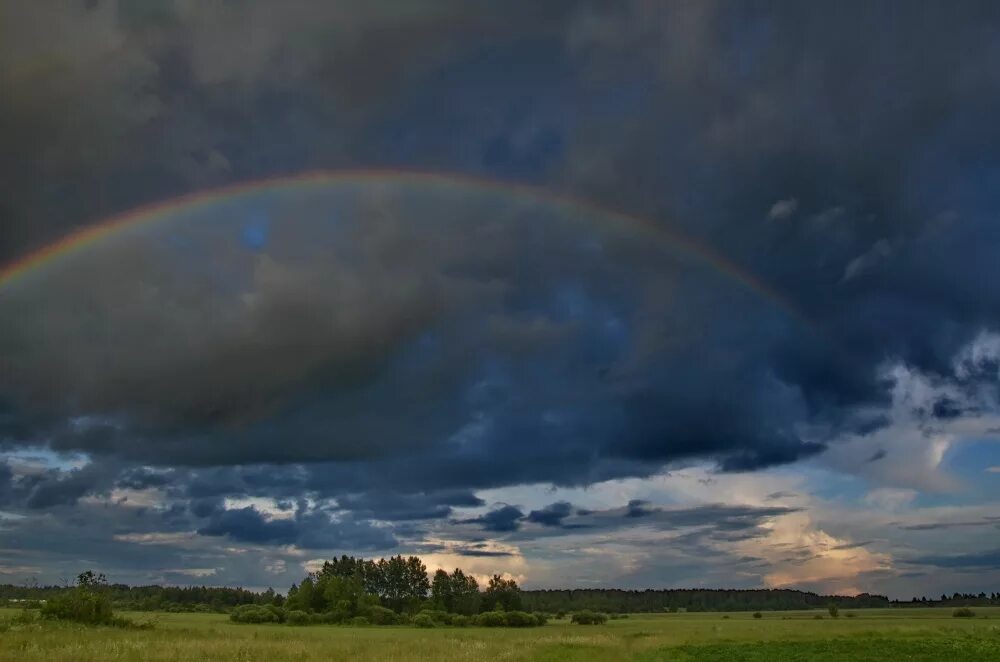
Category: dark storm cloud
[500,520]
[249,525]
[552,514]
[845,153]
[311,530]
[981,560]
[396,507]
[709,522]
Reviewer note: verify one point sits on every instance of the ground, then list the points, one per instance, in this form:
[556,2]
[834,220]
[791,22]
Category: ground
[875,634]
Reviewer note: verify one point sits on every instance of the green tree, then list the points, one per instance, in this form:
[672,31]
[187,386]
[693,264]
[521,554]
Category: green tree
[402,583]
[465,596]
[501,594]
[441,595]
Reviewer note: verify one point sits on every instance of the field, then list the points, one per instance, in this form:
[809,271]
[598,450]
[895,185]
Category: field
[889,634]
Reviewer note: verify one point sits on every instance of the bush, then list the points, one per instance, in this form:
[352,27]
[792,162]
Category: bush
[834,611]
[81,605]
[359,620]
[423,620]
[541,618]
[437,615]
[587,617]
[818,617]
[380,615]
[519,619]
[460,621]
[561,614]
[297,617]
[491,619]
[850,614]
[963,612]
[757,614]
[255,614]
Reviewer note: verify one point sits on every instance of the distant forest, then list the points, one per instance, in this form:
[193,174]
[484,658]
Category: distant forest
[223,599]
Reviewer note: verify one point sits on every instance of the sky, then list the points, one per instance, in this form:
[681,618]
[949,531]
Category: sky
[639,294]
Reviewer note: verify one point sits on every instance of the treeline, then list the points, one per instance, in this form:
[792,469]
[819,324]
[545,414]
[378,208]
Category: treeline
[349,587]
[151,598]
[955,600]
[652,600]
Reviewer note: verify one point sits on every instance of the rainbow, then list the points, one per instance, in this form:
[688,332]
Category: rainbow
[163,210]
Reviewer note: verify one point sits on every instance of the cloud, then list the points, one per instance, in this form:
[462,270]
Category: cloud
[879,252]
[390,355]
[502,519]
[552,514]
[986,560]
[783,209]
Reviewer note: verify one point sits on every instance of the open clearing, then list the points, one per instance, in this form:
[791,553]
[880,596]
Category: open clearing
[894,634]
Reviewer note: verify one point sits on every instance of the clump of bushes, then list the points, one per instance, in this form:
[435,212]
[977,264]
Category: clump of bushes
[423,620]
[615,617]
[850,614]
[380,615]
[359,620]
[510,619]
[88,602]
[491,619]
[261,614]
[757,614]
[587,617]
[297,617]
[963,612]
[834,611]
[818,617]
[89,607]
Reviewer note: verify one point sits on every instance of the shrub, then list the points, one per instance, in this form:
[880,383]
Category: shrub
[519,619]
[541,618]
[328,618]
[850,614]
[81,605]
[439,616]
[757,614]
[963,612]
[460,621]
[725,617]
[297,617]
[423,620]
[254,614]
[834,611]
[359,620]
[818,617]
[587,617]
[491,619]
[380,615]
[561,614]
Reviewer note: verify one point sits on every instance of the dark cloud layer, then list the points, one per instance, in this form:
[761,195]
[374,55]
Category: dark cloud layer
[391,365]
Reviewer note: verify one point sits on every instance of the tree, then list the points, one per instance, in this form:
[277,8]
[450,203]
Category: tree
[441,595]
[457,593]
[402,583]
[465,597]
[501,594]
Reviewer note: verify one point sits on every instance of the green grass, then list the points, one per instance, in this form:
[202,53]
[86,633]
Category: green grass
[889,634]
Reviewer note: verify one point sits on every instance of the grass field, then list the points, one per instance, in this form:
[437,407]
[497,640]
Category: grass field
[900,634]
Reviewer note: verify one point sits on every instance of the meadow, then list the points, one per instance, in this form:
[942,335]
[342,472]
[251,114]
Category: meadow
[870,634]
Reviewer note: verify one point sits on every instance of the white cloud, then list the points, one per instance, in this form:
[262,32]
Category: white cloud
[783,209]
